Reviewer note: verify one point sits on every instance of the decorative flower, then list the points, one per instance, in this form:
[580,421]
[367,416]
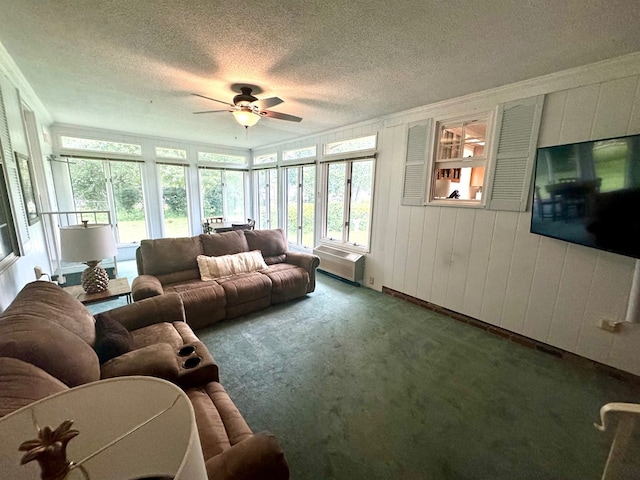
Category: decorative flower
[50,450]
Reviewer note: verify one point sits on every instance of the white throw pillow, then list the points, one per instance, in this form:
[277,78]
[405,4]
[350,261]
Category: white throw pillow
[226,265]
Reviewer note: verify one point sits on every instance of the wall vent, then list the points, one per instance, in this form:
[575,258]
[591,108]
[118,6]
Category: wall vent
[346,265]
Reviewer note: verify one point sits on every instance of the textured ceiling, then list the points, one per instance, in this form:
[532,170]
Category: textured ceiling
[131,65]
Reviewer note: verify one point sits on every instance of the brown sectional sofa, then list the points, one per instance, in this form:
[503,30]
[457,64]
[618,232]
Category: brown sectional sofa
[49,342]
[169,265]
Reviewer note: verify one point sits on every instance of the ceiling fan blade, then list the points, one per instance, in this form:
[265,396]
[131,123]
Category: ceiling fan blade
[212,111]
[209,98]
[281,116]
[269,102]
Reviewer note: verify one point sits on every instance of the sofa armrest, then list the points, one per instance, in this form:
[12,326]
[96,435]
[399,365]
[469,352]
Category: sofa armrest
[165,308]
[157,360]
[308,261]
[145,286]
[259,456]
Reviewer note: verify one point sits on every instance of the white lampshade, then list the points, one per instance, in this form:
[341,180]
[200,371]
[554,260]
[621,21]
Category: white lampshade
[246,117]
[81,243]
[146,424]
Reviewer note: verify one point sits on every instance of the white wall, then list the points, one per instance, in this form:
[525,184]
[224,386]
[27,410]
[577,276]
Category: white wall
[15,91]
[485,263]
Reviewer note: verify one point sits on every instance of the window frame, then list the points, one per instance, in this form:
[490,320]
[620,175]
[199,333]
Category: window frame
[300,233]
[5,204]
[435,164]
[245,191]
[344,241]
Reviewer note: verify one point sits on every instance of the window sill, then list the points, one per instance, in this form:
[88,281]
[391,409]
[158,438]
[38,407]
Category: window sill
[450,202]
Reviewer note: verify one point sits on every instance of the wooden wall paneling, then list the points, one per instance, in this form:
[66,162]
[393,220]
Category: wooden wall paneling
[375,262]
[401,245]
[460,254]
[624,353]
[483,226]
[414,248]
[501,256]
[615,104]
[573,295]
[579,113]
[608,299]
[525,255]
[431,221]
[444,249]
[389,228]
[544,288]
[552,116]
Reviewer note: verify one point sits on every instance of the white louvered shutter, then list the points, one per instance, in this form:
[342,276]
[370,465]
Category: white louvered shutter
[517,126]
[415,166]
[11,172]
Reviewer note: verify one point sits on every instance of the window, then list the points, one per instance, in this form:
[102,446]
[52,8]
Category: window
[460,159]
[176,153]
[223,194]
[100,146]
[174,200]
[300,153]
[221,158]
[8,239]
[267,188]
[349,191]
[268,158]
[115,186]
[353,145]
[300,195]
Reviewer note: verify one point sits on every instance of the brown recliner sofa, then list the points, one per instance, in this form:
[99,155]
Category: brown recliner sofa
[168,265]
[49,342]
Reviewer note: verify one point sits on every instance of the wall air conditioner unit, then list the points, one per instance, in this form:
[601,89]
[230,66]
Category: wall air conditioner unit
[346,265]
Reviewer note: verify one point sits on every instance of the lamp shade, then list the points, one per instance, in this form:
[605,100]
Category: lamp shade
[81,243]
[246,117]
[129,427]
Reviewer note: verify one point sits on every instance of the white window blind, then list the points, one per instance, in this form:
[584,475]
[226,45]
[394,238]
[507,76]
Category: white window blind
[517,126]
[416,163]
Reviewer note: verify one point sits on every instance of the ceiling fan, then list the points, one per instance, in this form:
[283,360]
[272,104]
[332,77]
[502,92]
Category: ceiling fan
[248,109]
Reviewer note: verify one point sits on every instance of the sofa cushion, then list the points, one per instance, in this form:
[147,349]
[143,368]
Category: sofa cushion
[288,282]
[168,255]
[50,347]
[22,384]
[204,302]
[272,244]
[157,333]
[245,287]
[220,424]
[226,265]
[226,243]
[46,301]
[159,360]
[112,338]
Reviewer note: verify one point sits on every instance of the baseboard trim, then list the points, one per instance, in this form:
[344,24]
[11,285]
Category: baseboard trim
[515,337]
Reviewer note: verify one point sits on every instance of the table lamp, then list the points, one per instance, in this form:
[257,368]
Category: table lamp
[89,244]
[115,429]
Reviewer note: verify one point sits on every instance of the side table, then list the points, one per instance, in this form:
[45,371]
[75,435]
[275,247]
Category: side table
[118,287]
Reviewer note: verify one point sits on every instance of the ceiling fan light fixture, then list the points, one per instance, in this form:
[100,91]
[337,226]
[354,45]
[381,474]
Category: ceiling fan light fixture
[246,117]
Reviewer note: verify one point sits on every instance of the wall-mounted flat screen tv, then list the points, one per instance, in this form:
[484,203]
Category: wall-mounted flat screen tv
[589,193]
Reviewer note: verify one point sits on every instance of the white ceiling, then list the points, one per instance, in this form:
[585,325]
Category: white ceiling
[131,65]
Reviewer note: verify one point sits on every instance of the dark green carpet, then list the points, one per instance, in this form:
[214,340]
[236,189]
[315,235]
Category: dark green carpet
[359,385]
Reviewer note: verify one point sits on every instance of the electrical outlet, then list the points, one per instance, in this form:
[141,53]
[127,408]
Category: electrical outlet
[371,281]
[610,325]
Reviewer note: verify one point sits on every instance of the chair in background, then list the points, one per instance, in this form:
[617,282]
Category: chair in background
[547,207]
[244,226]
